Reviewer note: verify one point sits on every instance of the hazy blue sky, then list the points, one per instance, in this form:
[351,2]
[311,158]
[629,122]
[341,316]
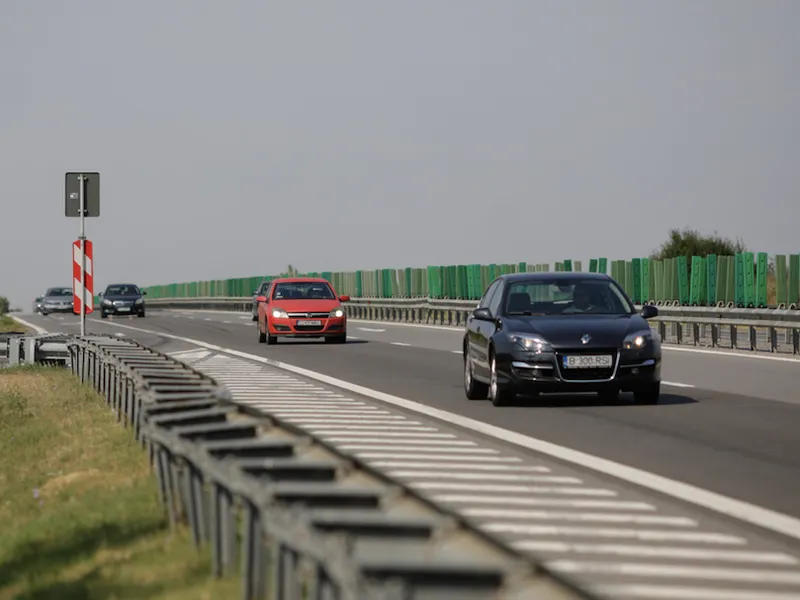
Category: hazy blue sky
[236,137]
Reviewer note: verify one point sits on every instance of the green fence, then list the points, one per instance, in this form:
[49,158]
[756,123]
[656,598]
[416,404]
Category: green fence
[747,280]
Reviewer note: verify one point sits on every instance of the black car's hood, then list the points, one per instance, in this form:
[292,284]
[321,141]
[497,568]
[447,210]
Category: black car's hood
[567,330]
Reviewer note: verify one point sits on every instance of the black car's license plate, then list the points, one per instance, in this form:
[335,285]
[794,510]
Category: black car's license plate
[588,361]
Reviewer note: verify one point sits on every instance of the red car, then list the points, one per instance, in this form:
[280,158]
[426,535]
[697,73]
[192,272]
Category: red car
[301,307]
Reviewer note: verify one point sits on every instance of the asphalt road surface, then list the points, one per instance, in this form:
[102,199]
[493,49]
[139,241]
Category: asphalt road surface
[726,424]
[729,424]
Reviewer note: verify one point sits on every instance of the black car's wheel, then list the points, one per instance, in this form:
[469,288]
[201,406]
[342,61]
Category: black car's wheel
[103,315]
[648,395]
[475,390]
[255,317]
[498,395]
[141,314]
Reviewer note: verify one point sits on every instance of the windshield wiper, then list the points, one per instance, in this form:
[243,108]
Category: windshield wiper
[527,313]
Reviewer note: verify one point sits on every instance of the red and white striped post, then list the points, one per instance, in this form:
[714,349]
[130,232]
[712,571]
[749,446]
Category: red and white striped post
[82,278]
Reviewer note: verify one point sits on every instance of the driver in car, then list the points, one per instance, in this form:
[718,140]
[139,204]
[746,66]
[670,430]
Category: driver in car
[581,300]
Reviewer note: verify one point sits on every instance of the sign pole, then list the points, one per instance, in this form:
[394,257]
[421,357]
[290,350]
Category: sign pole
[82,238]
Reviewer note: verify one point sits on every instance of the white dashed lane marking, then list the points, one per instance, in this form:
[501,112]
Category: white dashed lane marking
[618,545]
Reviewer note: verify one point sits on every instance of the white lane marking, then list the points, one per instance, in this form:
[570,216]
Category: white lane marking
[676,384]
[733,354]
[399,344]
[328,411]
[207,319]
[357,435]
[455,458]
[461,352]
[546,515]
[544,502]
[321,429]
[647,570]
[188,354]
[777,558]
[427,447]
[352,337]
[369,329]
[521,489]
[641,535]
[403,440]
[28,324]
[227,323]
[676,592]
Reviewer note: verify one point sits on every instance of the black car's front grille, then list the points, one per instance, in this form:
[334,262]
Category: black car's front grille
[588,374]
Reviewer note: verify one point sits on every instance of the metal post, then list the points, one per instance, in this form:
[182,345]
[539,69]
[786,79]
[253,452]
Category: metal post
[82,238]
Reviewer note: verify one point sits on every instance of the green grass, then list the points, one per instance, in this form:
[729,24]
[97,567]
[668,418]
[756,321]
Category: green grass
[79,511]
[9,324]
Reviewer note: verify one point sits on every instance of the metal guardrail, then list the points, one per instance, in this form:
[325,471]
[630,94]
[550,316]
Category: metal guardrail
[314,522]
[20,347]
[708,327]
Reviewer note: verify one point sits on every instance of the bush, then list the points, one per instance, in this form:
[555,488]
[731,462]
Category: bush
[690,242]
[3,305]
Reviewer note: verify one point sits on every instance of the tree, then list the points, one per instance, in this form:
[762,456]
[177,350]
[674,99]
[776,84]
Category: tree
[3,305]
[291,271]
[690,242]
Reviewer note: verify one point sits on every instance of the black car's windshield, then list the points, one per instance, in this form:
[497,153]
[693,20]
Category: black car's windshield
[567,296]
[59,292]
[303,291]
[122,290]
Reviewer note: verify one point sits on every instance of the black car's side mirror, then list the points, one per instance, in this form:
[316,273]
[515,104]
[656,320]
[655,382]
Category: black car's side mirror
[483,314]
[649,311]
[144,292]
[100,294]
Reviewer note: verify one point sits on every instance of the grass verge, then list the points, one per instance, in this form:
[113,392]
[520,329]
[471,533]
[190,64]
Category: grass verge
[79,510]
[9,324]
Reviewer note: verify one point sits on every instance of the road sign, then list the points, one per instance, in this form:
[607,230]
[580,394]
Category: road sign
[82,277]
[91,194]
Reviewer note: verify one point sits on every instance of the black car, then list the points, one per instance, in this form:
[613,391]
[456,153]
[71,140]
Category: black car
[122,299]
[560,332]
[261,290]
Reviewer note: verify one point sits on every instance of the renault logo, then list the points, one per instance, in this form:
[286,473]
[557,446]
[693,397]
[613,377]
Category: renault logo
[586,338]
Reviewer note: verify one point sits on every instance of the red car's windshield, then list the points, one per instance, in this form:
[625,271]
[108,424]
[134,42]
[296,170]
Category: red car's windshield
[303,290]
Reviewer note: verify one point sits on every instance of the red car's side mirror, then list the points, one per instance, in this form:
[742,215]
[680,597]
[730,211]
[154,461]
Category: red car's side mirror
[344,298]
[261,298]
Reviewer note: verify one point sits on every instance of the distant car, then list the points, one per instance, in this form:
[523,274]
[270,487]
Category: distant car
[56,300]
[560,332]
[261,290]
[122,299]
[37,304]
[301,307]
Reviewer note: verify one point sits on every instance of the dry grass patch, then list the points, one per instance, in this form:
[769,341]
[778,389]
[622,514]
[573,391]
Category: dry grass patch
[79,509]
[9,324]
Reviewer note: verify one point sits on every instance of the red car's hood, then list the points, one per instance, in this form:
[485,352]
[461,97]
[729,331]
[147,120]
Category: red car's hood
[305,305]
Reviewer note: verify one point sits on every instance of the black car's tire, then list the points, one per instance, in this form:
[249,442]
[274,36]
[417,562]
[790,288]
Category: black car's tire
[474,390]
[500,396]
[255,318]
[648,395]
[103,315]
[141,314]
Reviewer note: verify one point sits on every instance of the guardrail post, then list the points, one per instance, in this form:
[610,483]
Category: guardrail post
[252,571]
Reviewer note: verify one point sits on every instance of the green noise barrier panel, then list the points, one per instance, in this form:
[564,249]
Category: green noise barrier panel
[745,280]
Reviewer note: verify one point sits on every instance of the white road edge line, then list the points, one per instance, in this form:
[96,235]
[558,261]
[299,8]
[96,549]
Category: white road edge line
[25,323]
[744,511]
[668,347]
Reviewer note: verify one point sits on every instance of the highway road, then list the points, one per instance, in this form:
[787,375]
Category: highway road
[727,424]
[730,424]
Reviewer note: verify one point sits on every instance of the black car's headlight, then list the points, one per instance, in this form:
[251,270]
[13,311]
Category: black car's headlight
[139,301]
[531,342]
[638,340]
[107,303]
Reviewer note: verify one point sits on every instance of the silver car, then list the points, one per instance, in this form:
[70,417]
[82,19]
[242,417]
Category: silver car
[57,300]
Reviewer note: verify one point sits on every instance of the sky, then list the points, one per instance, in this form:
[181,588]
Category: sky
[234,138]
